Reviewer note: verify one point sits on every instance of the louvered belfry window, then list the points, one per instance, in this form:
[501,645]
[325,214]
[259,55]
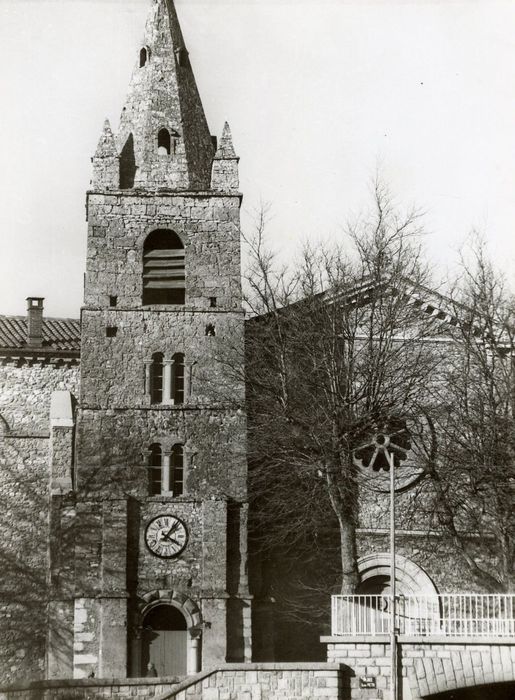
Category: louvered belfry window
[163,269]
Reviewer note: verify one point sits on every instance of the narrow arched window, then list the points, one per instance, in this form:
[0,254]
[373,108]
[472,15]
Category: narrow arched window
[143,57]
[127,164]
[177,470]
[163,268]
[156,378]
[155,469]
[178,378]
[164,142]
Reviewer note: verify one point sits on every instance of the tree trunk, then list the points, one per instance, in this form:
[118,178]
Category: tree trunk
[350,576]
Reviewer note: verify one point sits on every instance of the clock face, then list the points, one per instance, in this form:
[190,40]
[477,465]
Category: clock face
[166,536]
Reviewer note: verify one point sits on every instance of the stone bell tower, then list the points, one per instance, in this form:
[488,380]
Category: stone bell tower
[149,543]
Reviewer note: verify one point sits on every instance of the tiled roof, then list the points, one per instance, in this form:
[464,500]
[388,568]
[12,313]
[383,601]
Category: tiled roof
[59,334]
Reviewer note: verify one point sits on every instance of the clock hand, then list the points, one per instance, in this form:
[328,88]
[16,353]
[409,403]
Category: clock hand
[170,539]
[172,529]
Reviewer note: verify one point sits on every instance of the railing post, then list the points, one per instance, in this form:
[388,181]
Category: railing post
[393,635]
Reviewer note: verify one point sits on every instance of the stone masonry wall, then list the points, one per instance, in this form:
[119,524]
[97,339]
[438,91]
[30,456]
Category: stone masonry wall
[208,225]
[114,461]
[114,367]
[25,393]
[432,552]
[426,667]
[93,689]
[229,682]
[266,681]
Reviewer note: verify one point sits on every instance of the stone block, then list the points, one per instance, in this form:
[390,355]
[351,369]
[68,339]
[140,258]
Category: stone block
[448,671]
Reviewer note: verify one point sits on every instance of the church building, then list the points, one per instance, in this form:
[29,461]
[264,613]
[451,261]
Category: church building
[124,519]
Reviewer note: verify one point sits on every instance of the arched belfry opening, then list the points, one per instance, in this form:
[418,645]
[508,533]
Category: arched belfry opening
[163,269]
[165,641]
[164,142]
[144,55]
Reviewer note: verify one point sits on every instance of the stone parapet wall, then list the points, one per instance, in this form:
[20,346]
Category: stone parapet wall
[90,689]
[426,666]
[300,681]
[295,681]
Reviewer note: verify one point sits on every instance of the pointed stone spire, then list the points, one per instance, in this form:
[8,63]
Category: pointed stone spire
[106,163]
[226,147]
[225,175]
[164,138]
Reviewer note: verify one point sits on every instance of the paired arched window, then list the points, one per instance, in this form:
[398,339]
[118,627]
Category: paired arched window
[165,382]
[166,470]
[163,269]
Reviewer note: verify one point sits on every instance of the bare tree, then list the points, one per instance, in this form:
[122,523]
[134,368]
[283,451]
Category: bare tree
[473,475]
[335,353]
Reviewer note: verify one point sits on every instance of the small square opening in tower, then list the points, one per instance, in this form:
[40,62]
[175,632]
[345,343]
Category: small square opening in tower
[111,331]
[212,302]
[113,301]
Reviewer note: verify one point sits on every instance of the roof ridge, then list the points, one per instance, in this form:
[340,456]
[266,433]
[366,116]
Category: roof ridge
[19,317]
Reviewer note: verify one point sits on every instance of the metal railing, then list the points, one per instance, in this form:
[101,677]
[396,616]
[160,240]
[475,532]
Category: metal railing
[450,615]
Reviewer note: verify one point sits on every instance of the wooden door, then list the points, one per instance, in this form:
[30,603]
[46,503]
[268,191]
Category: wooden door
[168,652]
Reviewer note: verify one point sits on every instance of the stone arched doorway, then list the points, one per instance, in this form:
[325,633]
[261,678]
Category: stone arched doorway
[167,633]
[165,641]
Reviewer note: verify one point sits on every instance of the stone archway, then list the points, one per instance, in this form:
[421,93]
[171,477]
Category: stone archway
[410,579]
[459,669]
[494,691]
[417,614]
[174,606]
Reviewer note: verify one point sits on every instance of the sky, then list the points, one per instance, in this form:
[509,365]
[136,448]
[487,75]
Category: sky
[320,95]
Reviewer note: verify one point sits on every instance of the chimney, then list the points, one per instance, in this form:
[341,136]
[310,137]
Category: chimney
[35,321]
